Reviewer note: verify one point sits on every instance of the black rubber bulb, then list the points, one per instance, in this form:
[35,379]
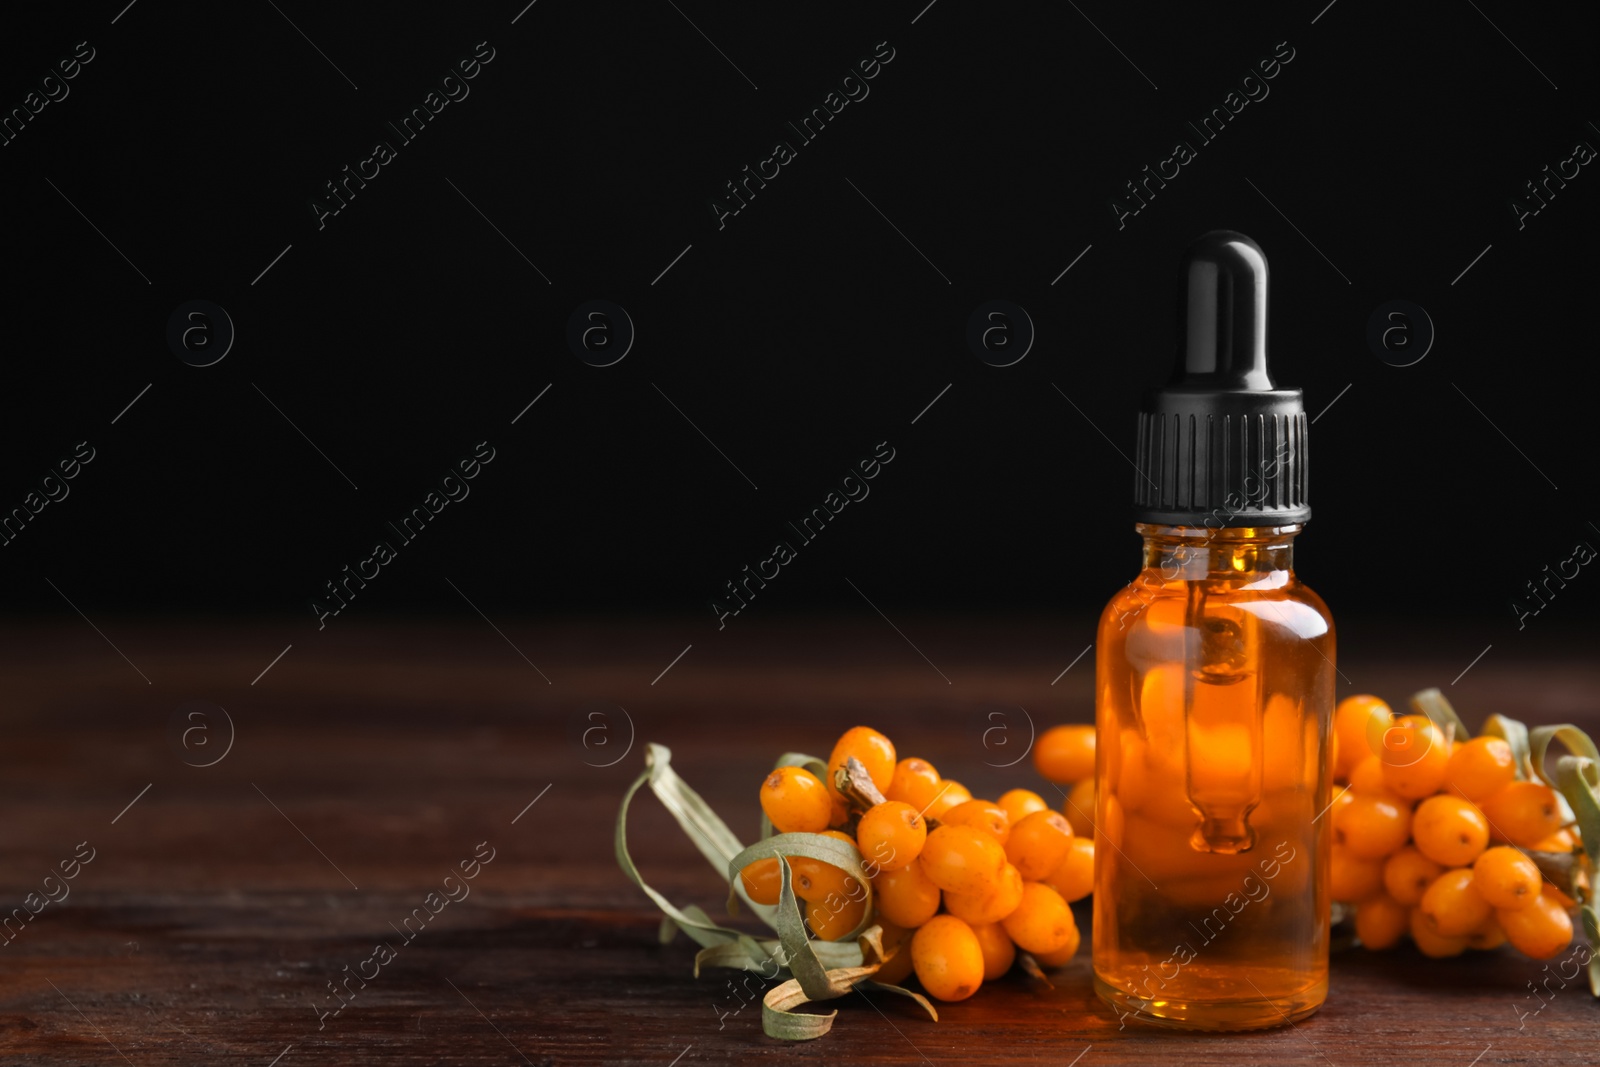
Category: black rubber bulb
[1223,315]
[1221,444]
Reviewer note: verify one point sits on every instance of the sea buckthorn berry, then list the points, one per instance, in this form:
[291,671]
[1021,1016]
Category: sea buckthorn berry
[896,969]
[1367,776]
[1553,891]
[1450,830]
[893,935]
[906,897]
[761,880]
[1540,930]
[959,859]
[1073,877]
[1479,767]
[1220,756]
[875,752]
[814,879]
[1078,807]
[1352,878]
[1506,878]
[998,951]
[891,835]
[951,793]
[1342,795]
[983,815]
[915,781]
[1039,843]
[1061,956]
[795,801]
[1065,753]
[834,916]
[1560,841]
[1042,922]
[1415,755]
[840,814]
[1453,904]
[990,906]
[1407,875]
[1373,825]
[1354,721]
[1020,802]
[896,943]
[948,958]
[1523,813]
[1113,827]
[1290,744]
[1431,942]
[1381,921]
[1490,935]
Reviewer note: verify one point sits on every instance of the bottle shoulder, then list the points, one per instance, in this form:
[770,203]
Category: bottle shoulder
[1283,596]
[1310,597]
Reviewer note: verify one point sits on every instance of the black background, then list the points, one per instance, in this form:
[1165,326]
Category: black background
[801,334]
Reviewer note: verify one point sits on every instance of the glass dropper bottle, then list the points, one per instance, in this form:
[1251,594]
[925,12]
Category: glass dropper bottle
[1214,690]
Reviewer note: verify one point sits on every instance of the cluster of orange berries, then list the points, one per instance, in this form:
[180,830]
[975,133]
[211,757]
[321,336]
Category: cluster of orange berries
[959,884]
[1432,834]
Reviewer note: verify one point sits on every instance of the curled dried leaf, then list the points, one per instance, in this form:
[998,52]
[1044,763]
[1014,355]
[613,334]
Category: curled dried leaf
[779,1020]
[885,987]
[1432,703]
[1575,777]
[1591,927]
[1514,734]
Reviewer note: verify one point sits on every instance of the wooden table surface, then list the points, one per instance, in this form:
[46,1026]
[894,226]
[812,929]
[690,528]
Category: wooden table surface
[370,760]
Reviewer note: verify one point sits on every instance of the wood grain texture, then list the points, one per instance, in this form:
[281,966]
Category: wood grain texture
[221,903]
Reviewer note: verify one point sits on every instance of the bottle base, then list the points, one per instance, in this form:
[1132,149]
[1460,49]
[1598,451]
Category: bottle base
[1221,1014]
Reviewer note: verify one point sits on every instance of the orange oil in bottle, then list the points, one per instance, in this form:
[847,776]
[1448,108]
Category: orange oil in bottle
[1214,704]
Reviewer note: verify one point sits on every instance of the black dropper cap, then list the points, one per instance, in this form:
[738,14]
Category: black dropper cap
[1219,445]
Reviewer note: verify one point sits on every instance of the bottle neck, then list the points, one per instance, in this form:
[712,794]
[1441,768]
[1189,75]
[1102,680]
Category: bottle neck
[1240,553]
